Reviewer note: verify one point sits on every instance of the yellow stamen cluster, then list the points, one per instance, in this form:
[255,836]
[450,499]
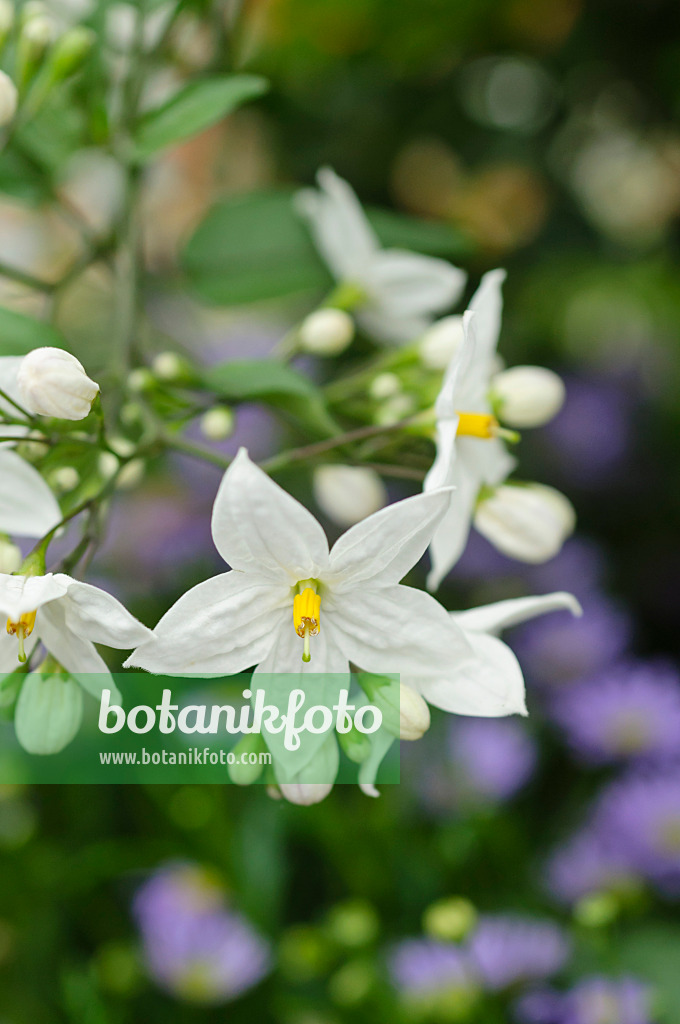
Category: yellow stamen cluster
[22,629]
[307,617]
[477,424]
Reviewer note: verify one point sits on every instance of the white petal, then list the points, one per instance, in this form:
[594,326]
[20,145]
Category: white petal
[341,232]
[396,629]
[493,618]
[285,655]
[487,305]
[380,322]
[450,537]
[448,402]
[98,616]
[222,626]
[408,284]
[9,650]
[442,472]
[20,594]
[260,528]
[9,369]
[487,685]
[76,654]
[27,506]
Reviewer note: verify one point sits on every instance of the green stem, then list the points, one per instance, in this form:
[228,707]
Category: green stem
[25,278]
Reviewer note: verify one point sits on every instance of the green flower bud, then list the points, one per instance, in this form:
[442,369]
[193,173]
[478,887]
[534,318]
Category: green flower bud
[48,713]
[249,747]
[450,919]
[353,924]
[70,52]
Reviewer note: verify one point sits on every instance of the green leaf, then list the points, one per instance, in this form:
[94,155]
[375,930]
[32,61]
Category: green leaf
[277,385]
[193,109]
[433,238]
[253,247]
[19,334]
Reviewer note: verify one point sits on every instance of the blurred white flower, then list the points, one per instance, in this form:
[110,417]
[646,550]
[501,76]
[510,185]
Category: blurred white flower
[527,396]
[326,332]
[441,342]
[52,382]
[470,453]
[347,494]
[402,291]
[9,99]
[529,522]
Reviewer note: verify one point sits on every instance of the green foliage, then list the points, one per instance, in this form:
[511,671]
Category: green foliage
[19,334]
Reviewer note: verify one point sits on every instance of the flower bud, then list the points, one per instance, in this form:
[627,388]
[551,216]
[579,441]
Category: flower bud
[529,522]
[395,409]
[305,793]
[48,714]
[65,479]
[131,475]
[527,396]
[52,382]
[347,494]
[404,712]
[326,332]
[36,35]
[168,366]
[218,423]
[10,556]
[450,919]
[441,341]
[6,20]
[108,464]
[243,773]
[414,714]
[9,98]
[140,379]
[385,385]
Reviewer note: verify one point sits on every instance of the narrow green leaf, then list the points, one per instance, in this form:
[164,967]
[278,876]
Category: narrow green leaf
[193,109]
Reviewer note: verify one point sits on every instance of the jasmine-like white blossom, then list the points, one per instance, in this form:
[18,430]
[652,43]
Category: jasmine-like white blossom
[289,605]
[52,382]
[470,452]
[401,292]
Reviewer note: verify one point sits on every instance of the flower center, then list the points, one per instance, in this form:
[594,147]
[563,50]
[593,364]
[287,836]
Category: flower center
[22,629]
[484,426]
[307,614]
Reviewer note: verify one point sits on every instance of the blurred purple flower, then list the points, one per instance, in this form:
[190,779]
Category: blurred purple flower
[630,711]
[506,949]
[591,434]
[587,863]
[492,757]
[560,648]
[594,1000]
[425,968]
[640,813]
[579,568]
[195,946]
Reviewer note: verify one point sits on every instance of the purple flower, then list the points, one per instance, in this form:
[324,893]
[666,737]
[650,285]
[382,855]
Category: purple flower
[492,758]
[195,946]
[594,1000]
[589,863]
[423,968]
[630,711]
[640,813]
[506,949]
[560,648]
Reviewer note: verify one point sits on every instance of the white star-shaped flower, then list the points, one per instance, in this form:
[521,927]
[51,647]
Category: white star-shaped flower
[403,291]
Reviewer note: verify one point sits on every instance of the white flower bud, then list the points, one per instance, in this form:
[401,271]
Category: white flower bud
[9,98]
[305,793]
[385,385]
[65,478]
[327,332]
[10,556]
[395,409]
[528,522]
[347,494]
[218,423]
[168,366]
[52,382]
[37,34]
[140,379]
[108,464]
[440,342]
[122,446]
[48,714]
[527,396]
[414,714]
[131,475]
[6,18]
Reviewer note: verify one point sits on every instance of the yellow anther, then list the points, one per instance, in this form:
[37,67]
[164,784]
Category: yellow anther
[22,629]
[477,424]
[307,617]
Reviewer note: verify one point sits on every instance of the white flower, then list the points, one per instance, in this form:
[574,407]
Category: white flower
[527,396]
[326,332]
[529,522]
[9,98]
[69,617]
[347,494]
[52,382]
[289,605]
[403,291]
[470,454]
